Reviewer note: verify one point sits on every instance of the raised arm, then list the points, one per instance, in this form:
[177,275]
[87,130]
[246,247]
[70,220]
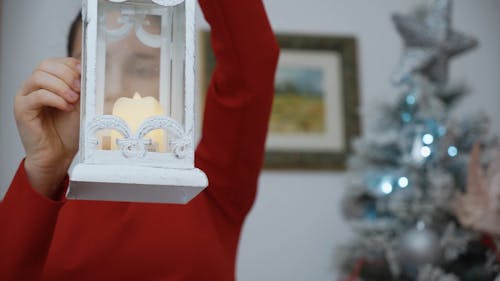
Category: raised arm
[238,102]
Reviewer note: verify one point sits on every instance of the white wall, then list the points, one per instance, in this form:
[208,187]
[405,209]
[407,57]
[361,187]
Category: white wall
[31,32]
[295,224]
[1,5]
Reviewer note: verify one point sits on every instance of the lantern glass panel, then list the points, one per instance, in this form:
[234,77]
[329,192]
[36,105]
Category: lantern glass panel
[140,69]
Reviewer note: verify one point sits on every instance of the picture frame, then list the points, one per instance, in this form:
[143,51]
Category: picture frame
[315,112]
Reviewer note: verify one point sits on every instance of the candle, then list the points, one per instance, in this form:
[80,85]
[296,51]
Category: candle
[134,111]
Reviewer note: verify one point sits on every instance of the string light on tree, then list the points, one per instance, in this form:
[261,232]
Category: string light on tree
[426,151]
[428,139]
[403,182]
[386,186]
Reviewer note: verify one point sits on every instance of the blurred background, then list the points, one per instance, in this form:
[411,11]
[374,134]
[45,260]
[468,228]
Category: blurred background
[296,223]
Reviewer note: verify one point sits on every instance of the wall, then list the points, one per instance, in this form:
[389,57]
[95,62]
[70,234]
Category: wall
[31,32]
[1,6]
[294,226]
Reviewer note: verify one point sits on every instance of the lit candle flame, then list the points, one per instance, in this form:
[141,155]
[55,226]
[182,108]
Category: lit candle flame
[134,111]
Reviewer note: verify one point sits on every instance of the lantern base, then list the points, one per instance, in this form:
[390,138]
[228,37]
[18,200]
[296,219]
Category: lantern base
[135,184]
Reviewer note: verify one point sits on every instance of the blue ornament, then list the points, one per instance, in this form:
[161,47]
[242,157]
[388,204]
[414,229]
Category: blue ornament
[370,212]
[442,131]
[410,99]
[452,151]
[406,117]
[408,104]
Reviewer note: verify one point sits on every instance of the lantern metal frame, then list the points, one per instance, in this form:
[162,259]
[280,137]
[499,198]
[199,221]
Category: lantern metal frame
[132,173]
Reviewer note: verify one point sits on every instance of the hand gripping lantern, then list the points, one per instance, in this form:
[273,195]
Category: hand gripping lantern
[137,107]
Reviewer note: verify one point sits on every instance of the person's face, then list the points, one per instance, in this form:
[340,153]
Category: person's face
[131,66]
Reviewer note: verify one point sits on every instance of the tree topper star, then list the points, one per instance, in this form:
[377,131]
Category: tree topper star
[429,43]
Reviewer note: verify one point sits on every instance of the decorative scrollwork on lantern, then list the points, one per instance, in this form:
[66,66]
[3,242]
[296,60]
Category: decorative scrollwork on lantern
[165,3]
[181,142]
[127,23]
[148,39]
[135,145]
[168,2]
[119,33]
[107,122]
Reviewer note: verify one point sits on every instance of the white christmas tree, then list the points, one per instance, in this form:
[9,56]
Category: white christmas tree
[406,200]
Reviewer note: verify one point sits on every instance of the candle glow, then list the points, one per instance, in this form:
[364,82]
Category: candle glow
[134,111]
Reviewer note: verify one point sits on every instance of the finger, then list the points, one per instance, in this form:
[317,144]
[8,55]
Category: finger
[42,80]
[43,98]
[73,63]
[62,71]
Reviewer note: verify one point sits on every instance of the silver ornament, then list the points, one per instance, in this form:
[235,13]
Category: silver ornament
[418,247]
[429,43]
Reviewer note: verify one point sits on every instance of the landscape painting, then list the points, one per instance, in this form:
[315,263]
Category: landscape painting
[299,101]
[315,111]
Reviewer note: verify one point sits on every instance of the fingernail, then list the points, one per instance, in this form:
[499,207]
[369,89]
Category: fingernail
[77,84]
[73,95]
[70,107]
[79,68]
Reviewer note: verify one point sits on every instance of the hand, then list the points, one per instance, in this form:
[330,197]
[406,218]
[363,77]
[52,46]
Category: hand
[47,114]
[479,207]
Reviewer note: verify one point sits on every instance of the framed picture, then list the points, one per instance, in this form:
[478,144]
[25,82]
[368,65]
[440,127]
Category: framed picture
[315,110]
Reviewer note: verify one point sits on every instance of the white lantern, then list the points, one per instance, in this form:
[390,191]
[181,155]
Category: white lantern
[137,118]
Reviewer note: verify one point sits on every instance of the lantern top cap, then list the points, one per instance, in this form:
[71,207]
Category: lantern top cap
[159,2]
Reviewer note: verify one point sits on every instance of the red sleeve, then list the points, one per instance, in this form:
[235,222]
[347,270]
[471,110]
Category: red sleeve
[238,102]
[27,222]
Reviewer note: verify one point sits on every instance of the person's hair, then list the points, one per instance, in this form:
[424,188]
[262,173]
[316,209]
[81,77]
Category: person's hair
[72,33]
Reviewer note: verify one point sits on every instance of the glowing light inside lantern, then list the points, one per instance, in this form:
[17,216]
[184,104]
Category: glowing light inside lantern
[134,111]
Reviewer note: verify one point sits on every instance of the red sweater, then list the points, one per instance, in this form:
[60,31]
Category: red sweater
[41,239]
